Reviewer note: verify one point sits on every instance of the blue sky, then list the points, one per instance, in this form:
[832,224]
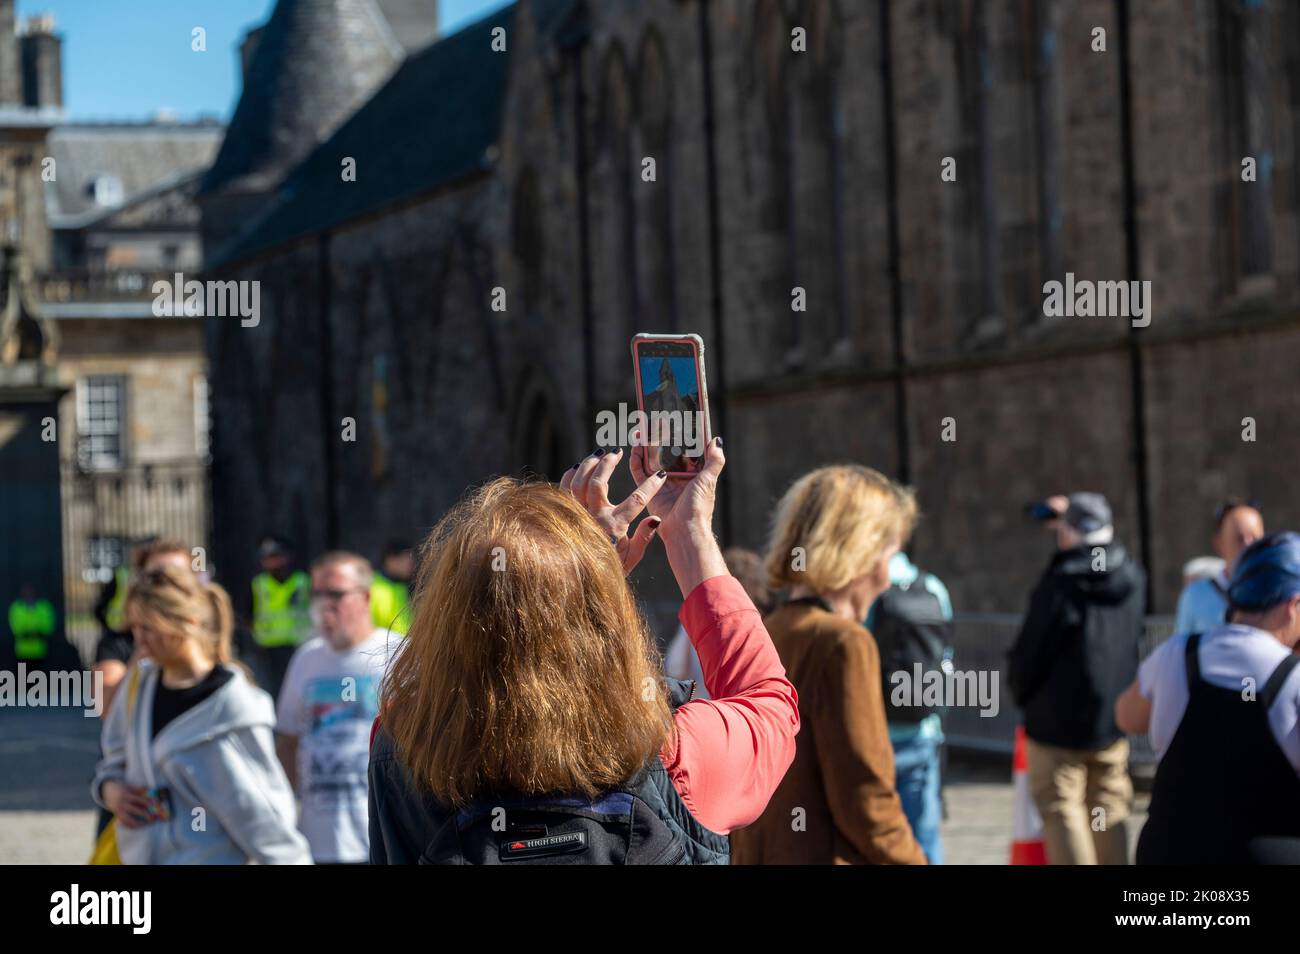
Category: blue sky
[683,372]
[126,59]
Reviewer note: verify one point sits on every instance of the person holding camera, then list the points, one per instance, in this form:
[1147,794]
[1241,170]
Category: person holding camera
[525,719]
[1077,650]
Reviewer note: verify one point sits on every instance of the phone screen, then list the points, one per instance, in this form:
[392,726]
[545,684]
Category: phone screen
[671,399]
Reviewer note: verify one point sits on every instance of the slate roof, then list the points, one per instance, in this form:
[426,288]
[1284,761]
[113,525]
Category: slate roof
[432,123]
[142,156]
[316,61]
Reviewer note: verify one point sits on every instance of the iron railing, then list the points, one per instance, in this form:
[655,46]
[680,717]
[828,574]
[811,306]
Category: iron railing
[106,511]
[980,643]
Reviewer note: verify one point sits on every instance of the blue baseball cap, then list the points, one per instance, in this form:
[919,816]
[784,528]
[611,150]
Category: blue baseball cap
[1267,572]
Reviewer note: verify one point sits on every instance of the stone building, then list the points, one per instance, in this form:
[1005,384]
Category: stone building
[910,172]
[134,422]
[103,403]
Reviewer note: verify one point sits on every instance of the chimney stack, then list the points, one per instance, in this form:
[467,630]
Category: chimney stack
[42,63]
[10,68]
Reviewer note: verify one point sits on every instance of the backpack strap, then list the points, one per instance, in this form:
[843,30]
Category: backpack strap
[680,692]
[1193,663]
[1274,684]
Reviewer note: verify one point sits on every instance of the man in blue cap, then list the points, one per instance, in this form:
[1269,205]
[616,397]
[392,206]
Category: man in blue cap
[1223,711]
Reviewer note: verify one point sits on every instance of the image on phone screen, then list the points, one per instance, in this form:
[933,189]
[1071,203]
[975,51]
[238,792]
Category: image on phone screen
[668,376]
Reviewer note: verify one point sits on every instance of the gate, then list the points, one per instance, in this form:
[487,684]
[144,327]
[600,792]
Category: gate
[106,512]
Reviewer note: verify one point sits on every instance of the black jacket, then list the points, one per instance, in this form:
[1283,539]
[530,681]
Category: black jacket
[1078,648]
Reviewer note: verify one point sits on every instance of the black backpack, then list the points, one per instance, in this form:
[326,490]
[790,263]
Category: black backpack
[910,628]
[643,822]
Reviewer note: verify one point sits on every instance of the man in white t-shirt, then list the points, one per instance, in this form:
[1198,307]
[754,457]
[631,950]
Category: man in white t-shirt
[1232,656]
[1223,711]
[327,705]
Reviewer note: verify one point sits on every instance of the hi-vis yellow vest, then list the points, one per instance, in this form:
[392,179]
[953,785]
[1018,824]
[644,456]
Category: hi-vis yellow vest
[280,610]
[389,607]
[116,612]
[32,625]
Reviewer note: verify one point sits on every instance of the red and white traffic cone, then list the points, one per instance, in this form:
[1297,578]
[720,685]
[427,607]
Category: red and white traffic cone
[1027,847]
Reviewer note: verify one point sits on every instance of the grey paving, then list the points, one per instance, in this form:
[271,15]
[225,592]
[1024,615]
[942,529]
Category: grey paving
[48,756]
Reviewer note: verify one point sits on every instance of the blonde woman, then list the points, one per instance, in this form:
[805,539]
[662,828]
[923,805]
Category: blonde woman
[835,531]
[189,767]
[526,720]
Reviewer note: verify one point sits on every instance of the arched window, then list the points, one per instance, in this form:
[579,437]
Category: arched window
[660,280]
[975,235]
[1244,40]
[775,186]
[819,201]
[542,448]
[1045,23]
[620,169]
[527,240]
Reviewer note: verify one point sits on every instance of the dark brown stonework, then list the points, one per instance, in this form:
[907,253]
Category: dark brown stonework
[1041,405]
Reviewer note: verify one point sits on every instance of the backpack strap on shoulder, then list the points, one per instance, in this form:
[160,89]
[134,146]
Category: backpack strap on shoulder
[680,692]
[1192,660]
[1274,684]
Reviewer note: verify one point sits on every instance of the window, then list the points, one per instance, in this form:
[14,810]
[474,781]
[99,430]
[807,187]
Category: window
[622,167]
[100,556]
[1245,52]
[528,239]
[106,190]
[656,215]
[101,420]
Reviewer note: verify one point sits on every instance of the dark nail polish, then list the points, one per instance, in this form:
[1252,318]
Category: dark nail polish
[662,473]
[600,452]
[719,441]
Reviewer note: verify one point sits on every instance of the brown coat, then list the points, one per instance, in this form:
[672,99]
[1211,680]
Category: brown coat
[843,771]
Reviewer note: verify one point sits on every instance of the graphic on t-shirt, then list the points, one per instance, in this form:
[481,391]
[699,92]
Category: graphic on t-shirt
[337,738]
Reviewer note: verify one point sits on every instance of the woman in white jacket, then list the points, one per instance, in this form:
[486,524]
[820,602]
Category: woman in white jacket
[189,768]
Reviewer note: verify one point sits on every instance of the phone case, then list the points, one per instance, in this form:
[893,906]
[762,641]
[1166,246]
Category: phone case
[160,804]
[704,385]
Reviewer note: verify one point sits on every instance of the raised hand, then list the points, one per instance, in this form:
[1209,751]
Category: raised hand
[588,481]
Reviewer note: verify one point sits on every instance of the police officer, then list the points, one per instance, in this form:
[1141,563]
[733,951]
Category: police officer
[111,606]
[1223,711]
[281,610]
[390,591]
[31,621]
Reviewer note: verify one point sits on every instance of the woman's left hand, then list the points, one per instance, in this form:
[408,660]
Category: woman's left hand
[588,480]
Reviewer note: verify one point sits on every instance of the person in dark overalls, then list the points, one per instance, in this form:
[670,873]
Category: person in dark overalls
[1223,711]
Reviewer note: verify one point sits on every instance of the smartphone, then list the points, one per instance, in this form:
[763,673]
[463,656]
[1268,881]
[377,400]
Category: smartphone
[160,805]
[673,400]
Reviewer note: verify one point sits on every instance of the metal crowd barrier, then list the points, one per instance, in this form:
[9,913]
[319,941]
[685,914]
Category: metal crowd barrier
[980,642]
